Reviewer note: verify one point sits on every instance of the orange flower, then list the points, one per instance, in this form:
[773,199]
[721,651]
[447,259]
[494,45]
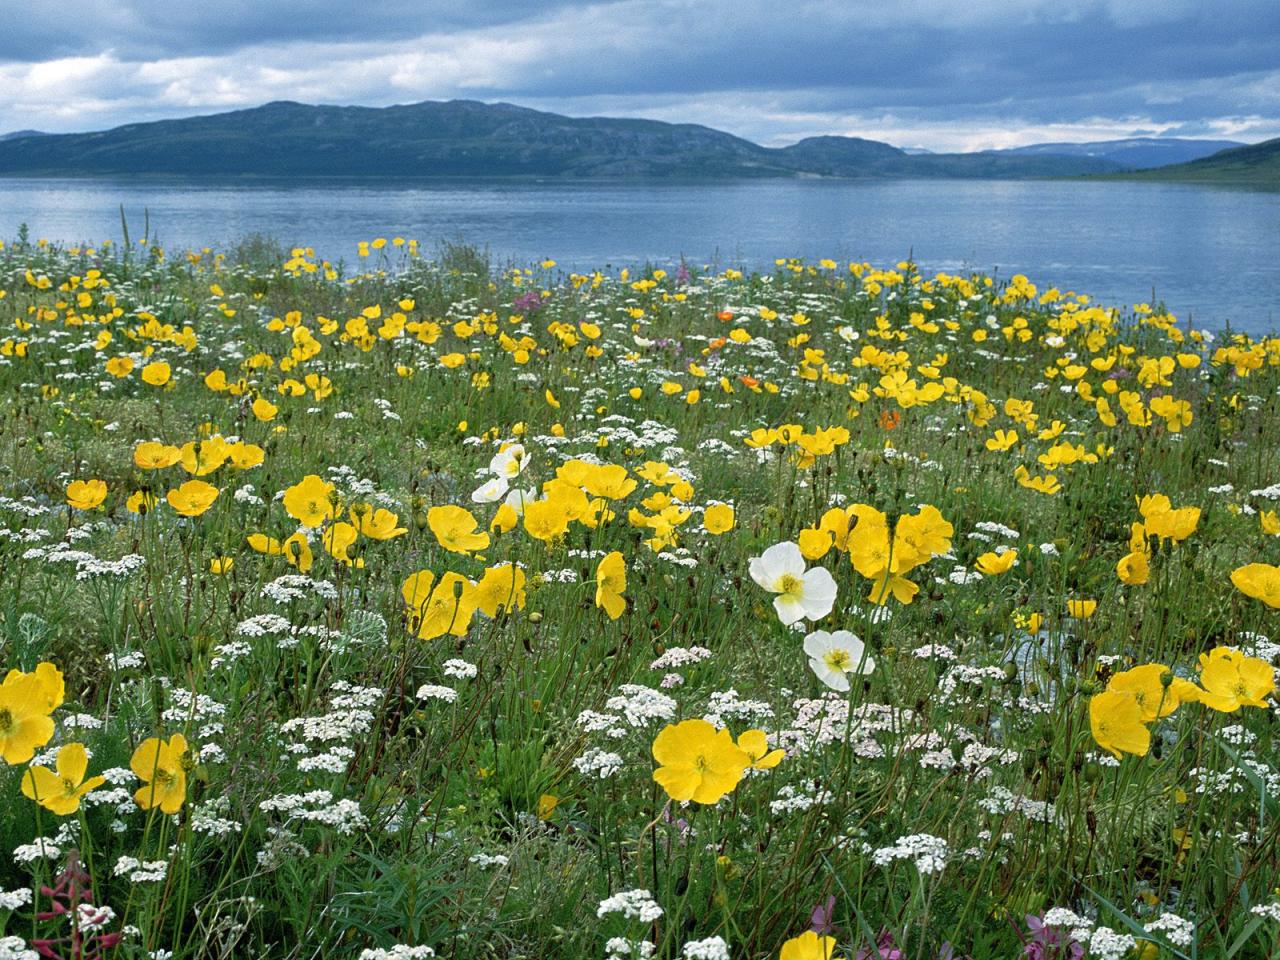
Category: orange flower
[889,419]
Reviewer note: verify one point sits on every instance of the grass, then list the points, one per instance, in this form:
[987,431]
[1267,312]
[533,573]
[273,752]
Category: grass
[362,779]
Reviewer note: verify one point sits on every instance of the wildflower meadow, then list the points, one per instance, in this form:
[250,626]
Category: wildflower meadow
[421,606]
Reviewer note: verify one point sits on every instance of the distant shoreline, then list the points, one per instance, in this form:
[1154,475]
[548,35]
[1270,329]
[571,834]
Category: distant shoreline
[419,180]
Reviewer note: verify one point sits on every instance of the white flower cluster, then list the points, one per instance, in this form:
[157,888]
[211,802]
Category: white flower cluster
[978,758]
[209,819]
[712,948]
[30,852]
[1063,919]
[1100,942]
[281,846]
[334,760]
[318,806]
[432,691]
[997,530]
[25,535]
[640,706]
[188,705]
[90,917]
[1175,929]
[15,948]
[677,657]
[1256,645]
[245,494]
[14,899]
[790,800]
[1270,911]
[724,705]
[1270,493]
[961,576]
[598,763]
[962,674]
[27,506]
[398,952]
[263,625]
[141,871]
[126,566]
[459,669]
[1001,802]
[632,904]
[929,853]
[229,652]
[620,948]
[1105,944]
[126,661]
[593,721]
[826,720]
[680,557]
[292,587]
[337,726]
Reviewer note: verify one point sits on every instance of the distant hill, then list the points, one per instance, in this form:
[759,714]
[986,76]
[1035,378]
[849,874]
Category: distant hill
[1136,153]
[844,157]
[457,138]
[999,165]
[16,134]
[466,138]
[1257,163]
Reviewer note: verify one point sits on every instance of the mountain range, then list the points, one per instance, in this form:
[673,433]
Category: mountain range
[467,138]
[1256,164]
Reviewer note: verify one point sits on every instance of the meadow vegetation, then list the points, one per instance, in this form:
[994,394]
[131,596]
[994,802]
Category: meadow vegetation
[422,606]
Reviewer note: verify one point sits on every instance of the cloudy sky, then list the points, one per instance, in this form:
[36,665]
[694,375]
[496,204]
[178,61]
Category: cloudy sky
[941,74]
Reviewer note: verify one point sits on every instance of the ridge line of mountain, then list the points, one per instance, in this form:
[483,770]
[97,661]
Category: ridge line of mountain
[468,138]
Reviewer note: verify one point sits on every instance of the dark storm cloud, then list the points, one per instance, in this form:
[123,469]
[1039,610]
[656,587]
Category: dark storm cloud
[764,69]
[156,29]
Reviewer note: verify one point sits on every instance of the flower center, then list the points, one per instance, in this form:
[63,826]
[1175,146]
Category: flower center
[790,583]
[7,726]
[838,660]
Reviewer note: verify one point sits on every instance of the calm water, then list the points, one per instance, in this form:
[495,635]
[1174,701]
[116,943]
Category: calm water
[1212,254]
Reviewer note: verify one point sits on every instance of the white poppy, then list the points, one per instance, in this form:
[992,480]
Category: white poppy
[509,463]
[800,593]
[491,491]
[518,499]
[833,656]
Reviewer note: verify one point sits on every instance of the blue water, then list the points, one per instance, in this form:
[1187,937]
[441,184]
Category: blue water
[1211,254]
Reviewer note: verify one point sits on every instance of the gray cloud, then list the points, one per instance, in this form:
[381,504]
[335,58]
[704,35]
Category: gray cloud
[941,73]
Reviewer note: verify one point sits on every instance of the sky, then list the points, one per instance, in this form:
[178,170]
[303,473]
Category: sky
[938,74]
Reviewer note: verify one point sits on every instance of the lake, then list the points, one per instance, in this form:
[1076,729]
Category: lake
[1211,254]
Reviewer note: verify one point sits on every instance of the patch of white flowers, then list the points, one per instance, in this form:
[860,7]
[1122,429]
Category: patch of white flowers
[632,904]
[927,852]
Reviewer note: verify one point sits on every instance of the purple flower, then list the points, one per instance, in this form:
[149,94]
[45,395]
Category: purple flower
[823,915]
[528,302]
[1046,943]
[885,949]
